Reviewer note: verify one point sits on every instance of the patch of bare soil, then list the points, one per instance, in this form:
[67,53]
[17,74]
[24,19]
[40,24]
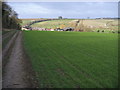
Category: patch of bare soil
[18,72]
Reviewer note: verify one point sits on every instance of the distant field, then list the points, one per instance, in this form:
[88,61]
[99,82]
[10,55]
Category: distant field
[26,21]
[73,59]
[105,24]
[87,25]
[53,23]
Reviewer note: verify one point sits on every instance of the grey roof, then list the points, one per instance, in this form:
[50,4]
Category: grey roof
[68,28]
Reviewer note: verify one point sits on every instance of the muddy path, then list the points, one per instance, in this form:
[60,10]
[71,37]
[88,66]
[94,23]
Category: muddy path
[18,71]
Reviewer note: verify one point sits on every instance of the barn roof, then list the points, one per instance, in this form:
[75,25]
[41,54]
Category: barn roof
[68,28]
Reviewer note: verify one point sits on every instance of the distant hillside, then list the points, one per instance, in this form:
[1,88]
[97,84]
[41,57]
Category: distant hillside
[27,20]
[107,25]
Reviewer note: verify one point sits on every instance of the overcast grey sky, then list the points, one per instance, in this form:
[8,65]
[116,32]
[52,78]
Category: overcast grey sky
[65,9]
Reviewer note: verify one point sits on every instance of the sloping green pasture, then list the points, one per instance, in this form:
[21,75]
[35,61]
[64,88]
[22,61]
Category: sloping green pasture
[73,59]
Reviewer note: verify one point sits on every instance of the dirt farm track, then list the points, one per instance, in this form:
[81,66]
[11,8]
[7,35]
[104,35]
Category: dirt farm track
[16,72]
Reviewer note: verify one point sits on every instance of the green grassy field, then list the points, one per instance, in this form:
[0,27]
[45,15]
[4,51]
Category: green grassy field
[73,59]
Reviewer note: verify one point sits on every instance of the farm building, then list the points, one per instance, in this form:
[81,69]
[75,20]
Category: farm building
[65,29]
[69,29]
[25,29]
[58,29]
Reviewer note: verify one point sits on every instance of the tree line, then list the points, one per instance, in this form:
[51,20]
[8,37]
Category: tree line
[9,18]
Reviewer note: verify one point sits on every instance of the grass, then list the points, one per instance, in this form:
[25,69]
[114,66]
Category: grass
[4,32]
[73,59]
[6,40]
